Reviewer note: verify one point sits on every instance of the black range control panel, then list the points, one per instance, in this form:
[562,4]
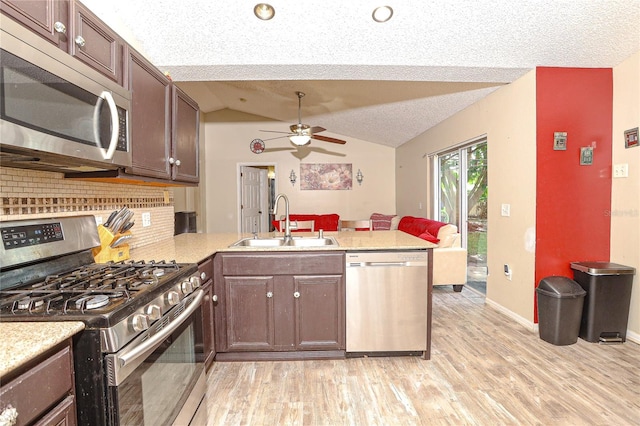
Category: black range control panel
[30,235]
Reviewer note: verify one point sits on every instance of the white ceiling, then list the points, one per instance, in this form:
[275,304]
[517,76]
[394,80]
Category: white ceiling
[381,82]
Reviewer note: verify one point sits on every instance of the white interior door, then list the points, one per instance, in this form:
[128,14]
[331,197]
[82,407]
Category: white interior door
[253,214]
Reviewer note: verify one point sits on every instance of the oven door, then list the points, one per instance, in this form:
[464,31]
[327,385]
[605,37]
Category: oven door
[159,379]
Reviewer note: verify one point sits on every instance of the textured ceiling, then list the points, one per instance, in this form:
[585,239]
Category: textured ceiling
[380,82]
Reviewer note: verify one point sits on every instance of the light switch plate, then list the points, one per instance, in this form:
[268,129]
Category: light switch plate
[146,219]
[505,210]
[621,170]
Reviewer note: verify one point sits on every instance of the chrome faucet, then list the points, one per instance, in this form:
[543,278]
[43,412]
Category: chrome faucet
[287,222]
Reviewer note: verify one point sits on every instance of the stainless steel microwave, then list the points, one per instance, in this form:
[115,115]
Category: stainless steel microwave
[57,113]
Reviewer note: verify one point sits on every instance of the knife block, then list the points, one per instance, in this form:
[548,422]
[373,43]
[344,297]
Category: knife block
[105,253]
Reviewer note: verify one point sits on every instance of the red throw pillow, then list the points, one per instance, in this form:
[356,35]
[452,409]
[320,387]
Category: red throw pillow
[427,236]
[381,221]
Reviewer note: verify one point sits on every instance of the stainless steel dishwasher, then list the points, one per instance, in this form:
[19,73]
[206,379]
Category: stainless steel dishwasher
[387,301]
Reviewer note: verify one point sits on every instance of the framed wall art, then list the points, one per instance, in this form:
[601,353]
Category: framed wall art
[631,138]
[330,176]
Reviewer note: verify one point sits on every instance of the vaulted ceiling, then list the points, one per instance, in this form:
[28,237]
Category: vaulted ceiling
[381,82]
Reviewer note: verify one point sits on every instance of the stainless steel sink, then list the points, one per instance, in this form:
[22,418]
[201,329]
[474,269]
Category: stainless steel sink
[312,242]
[259,242]
[281,242]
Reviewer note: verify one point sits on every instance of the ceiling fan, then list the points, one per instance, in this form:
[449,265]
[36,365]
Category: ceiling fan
[301,134]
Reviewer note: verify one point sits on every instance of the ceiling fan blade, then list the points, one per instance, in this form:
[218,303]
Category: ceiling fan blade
[274,131]
[277,137]
[278,149]
[317,129]
[328,139]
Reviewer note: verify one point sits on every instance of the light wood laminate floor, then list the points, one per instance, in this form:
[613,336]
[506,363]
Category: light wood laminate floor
[485,369]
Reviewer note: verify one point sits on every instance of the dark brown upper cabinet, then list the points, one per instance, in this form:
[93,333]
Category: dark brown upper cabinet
[95,44]
[73,28]
[164,124]
[184,149]
[47,18]
[150,117]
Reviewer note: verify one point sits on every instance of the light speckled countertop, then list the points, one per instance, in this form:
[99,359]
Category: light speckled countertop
[23,341]
[193,248]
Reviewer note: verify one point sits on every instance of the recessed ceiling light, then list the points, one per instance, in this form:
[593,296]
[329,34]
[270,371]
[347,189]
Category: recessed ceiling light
[264,11]
[382,13]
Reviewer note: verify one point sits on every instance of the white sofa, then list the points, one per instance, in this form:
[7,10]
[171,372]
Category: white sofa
[449,258]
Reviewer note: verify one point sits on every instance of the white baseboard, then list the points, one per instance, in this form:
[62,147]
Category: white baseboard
[631,336]
[529,325]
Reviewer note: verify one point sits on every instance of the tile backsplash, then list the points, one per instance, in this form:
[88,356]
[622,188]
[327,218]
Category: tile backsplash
[31,194]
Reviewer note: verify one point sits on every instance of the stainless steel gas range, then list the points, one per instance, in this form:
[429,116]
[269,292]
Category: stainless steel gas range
[138,361]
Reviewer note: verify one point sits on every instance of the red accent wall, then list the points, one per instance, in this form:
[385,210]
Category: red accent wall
[573,202]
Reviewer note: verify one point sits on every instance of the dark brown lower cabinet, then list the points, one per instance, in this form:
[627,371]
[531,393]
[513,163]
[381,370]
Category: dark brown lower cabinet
[43,393]
[279,305]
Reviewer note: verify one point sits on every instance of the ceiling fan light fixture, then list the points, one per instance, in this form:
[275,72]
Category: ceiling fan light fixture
[300,140]
[264,11]
[382,13]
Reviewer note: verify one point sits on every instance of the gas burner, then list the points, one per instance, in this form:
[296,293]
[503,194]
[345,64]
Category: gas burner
[29,303]
[92,302]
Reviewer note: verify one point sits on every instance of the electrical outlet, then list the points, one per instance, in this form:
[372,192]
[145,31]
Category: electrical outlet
[146,219]
[505,210]
[98,220]
[621,171]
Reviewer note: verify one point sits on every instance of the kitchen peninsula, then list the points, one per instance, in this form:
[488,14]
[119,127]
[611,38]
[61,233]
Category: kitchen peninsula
[253,314]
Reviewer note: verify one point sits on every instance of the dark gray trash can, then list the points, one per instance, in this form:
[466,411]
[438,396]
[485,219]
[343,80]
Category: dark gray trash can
[606,306]
[560,302]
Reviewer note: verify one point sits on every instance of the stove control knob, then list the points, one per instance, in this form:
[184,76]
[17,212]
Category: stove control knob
[153,312]
[173,298]
[139,322]
[195,282]
[186,287]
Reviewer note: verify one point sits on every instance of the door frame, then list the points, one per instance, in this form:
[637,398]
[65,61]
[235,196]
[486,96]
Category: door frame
[239,185]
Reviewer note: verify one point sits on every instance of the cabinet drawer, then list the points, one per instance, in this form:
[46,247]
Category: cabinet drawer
[40,388]
[244,264]
[206,268]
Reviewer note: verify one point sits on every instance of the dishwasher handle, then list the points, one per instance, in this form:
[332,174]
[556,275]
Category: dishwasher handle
[376,264]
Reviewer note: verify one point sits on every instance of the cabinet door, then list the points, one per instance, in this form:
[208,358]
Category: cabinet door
[319,312]
[186,122]
[249,310]
[63,414]
[47,18]
[150,117]
[94,43]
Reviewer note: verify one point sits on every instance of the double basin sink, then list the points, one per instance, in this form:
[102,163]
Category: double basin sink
[282,242]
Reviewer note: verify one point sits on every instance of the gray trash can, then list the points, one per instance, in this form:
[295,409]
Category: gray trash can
[606,306]
[560,301]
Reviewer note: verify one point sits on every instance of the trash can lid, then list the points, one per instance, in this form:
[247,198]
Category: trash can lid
[560,288]
[602,268]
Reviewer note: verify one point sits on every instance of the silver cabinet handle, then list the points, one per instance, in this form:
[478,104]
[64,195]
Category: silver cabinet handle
[59,27]
[215,298]
[80,41]
[203,276]
[296,294]
[269,294]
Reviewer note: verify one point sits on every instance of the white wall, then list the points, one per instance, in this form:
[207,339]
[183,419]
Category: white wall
[227,135]
[625,192]
[508,118]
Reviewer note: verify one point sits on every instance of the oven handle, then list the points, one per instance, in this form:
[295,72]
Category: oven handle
[150,345]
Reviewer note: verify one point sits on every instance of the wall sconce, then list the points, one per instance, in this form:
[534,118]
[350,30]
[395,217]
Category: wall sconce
[293,177]
[359,177]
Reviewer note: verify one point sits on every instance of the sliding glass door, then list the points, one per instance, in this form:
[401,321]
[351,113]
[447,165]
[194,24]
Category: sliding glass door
[462,191]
